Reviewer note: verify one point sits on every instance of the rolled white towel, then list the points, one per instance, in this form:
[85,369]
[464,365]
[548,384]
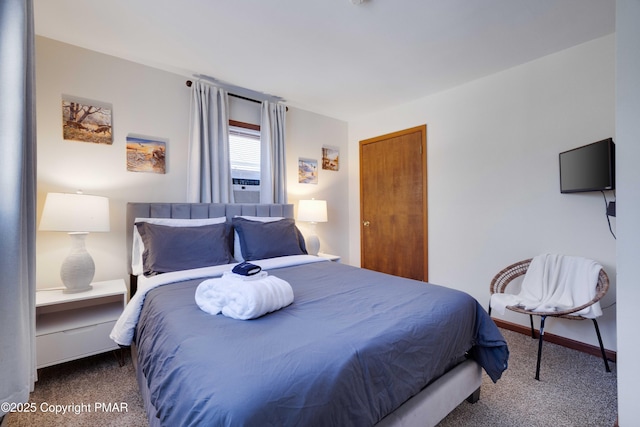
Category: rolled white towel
[211,295]
[243,297]
[254,298]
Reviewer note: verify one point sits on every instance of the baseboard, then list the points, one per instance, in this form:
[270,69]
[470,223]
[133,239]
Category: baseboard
[557,339]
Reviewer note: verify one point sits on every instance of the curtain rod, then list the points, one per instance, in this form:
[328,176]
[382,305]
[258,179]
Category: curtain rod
[189,83]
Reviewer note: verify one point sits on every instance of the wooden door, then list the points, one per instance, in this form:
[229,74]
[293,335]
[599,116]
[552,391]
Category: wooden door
[393,203]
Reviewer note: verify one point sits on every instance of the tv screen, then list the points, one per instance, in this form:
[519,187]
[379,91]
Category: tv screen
[588,168]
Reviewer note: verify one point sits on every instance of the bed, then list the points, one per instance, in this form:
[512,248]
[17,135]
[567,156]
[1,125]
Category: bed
[354,347]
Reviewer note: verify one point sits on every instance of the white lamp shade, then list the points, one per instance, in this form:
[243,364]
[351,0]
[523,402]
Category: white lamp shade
[312,210]
[75,212]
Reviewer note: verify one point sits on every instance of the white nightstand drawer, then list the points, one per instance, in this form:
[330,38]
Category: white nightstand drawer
[72,344]
[71,326]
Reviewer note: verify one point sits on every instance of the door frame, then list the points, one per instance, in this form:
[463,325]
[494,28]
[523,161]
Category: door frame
[425,213]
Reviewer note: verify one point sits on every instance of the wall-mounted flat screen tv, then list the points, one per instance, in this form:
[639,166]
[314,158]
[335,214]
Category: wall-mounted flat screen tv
[588,168]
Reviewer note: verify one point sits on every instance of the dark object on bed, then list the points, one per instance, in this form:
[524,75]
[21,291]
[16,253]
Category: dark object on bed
[246,269]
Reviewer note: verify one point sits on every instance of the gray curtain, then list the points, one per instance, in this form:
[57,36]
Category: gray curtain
[17,201]
[209,169]
[273,183]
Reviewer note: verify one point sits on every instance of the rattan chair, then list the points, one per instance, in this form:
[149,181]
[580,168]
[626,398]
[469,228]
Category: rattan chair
[507,275]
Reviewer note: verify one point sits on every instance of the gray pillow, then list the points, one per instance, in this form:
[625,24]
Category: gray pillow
[181,248]
[260,240]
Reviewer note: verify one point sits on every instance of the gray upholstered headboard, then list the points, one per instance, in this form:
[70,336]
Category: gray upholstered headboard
[197,210]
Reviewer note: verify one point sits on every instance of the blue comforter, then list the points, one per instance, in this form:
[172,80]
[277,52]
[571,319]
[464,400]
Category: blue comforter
[354,345]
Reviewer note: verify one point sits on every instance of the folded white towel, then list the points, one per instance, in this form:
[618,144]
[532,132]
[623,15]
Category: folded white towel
[555,283]
[243,297]
[233,276]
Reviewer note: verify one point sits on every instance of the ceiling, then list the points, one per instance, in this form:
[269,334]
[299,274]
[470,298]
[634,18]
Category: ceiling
[332,57]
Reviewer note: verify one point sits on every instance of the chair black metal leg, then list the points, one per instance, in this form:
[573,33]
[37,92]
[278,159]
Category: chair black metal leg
[604,356]
[542,319]
[533,335]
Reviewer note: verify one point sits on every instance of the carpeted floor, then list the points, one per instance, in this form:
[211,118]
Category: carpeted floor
[83,389]
[574,390]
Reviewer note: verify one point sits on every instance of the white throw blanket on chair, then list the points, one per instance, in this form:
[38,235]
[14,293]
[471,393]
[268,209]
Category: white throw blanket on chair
[243,297]
[555,283]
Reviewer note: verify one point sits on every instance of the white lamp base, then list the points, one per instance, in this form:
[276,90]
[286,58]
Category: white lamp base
[78,269]
[313,242]
[313,245]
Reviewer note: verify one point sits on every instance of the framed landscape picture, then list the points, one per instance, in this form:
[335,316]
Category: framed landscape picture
[145,155]
[86,121]
[330,158]
[307,171]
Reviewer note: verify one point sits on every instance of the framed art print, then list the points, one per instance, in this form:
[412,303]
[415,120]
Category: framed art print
[86,121]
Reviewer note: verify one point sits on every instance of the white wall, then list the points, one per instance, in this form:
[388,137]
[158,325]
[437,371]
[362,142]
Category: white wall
[155,103]
[493,180]
[306,134]
[144,101]
[628,177]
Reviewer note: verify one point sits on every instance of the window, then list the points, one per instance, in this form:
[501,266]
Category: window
[244,153]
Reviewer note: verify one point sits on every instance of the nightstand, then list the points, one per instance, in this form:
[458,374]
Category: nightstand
[72,326]
[335,258]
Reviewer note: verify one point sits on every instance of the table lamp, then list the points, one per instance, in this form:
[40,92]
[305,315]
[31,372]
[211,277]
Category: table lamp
[77,214]
[312,211]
